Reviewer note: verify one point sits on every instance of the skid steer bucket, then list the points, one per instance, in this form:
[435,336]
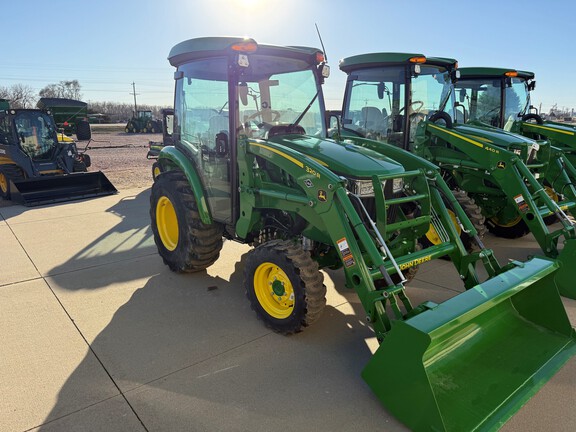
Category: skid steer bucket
[46,190]
[471,362]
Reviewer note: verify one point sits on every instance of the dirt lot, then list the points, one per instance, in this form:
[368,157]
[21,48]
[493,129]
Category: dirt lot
[120,156]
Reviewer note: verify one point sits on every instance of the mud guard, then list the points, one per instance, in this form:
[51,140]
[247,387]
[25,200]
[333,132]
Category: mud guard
[52,189]
[471,362]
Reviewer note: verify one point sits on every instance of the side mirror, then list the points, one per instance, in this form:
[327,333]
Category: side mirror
[381,88]
[455,75]
[243,93]
[531,85]
[221,144]
[462,95]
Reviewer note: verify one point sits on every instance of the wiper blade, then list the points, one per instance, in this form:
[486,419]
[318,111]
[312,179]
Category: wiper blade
[301,116]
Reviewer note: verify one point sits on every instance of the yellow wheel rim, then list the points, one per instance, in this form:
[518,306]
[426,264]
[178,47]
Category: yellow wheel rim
[551,193]
[274,290]
[167,223]
[156,172]
[3,183]
[432,234]
[509,224]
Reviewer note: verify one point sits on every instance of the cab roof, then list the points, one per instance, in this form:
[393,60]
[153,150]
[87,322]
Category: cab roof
[391,58]
[206,47]
[492,72]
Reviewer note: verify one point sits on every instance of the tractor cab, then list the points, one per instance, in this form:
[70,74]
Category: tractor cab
[494,96]
[36,134]
[389,94]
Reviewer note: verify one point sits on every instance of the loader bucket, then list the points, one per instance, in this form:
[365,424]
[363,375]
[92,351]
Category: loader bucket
[471,362]
[566,276]
[46,190]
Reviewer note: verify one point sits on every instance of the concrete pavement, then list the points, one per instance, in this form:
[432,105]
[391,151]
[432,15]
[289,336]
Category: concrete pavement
[97,334]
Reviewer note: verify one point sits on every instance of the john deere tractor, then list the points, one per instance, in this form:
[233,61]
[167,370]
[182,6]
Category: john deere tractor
[408,100]
[251,163]
[36,167]
[505,94]
[143,122]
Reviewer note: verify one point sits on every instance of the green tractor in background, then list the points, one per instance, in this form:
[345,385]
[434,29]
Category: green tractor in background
[143,122]
[407,100]
[505,95]
[251,163]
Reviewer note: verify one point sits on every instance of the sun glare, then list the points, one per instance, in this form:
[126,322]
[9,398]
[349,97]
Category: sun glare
[247,2]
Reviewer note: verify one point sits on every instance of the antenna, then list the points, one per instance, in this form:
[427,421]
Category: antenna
[321,43]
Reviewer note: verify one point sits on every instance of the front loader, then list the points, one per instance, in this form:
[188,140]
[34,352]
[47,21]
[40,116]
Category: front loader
[408,100]
[250,162]
[39,167]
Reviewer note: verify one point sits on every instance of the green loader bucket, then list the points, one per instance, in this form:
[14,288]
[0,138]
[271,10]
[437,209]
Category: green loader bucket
[51,189]
[566,276]
[471,362]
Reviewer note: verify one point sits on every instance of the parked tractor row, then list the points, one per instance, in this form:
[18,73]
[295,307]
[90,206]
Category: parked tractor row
[404,176]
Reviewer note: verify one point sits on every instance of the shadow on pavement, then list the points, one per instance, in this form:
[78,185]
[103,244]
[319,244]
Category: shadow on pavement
[188,353]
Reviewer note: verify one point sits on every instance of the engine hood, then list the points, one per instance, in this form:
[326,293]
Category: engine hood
[491,135]
[343,159]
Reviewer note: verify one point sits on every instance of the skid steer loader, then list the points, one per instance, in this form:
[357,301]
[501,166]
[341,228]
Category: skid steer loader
[36,167]
[505,95]
[250,162]
[408,100]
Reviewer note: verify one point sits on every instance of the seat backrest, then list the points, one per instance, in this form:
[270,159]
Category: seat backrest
[372,118]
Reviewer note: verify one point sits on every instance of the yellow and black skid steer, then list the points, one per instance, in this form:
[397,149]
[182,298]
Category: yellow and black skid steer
[37,168]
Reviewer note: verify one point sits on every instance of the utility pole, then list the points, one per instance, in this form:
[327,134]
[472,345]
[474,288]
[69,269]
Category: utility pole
[134,93]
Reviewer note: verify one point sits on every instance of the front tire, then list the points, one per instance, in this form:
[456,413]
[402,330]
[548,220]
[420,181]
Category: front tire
[284,286]
[184,242]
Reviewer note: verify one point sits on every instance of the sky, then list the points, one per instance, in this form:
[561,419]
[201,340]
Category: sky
[108,44]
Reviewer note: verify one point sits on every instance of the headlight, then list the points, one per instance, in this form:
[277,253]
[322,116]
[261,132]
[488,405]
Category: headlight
[365,188]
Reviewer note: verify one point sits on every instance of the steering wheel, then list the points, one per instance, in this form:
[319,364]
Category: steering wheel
[411,104]
[259,113]
[486,116]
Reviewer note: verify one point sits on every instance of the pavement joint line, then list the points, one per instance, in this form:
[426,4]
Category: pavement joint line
[21,281]
[98,265]
[71,413]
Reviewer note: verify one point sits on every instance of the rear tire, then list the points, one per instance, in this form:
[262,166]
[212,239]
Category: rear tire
[284,286]
[83,130]
[510,230]
[184,242]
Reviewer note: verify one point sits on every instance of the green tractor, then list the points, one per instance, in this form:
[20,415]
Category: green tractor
[143,122]
[251,163]
[407,100]
[505,95]
[37,167]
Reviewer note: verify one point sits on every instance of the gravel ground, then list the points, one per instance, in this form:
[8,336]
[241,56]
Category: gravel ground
[120,156]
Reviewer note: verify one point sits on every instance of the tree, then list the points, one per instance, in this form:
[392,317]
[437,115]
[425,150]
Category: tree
[63,89]
[20,95]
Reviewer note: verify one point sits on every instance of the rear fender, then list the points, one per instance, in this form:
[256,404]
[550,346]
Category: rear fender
[171,158]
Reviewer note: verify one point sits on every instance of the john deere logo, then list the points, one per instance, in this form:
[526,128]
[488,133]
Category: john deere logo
[501,165]
[322,195]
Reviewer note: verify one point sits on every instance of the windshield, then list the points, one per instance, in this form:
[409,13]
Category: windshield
[480,100]
[375,103]
[36,133]
[517,99]
[431,91]
[285,95]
